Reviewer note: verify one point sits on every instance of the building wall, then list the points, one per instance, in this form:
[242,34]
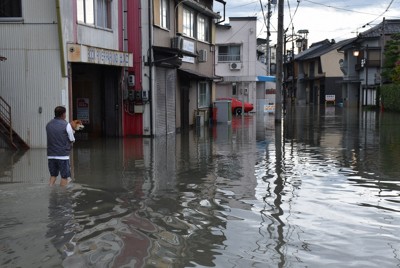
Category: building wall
[30,79]
[330,63]
[242,32]
[34,79]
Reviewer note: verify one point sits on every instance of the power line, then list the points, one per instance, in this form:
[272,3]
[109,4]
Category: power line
[263,13]
[340,8]
[290,13]
[386,10]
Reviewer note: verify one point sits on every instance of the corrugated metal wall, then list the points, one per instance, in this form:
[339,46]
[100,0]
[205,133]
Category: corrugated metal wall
[31,78]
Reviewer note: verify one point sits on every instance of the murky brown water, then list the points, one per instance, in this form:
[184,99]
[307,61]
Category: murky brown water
[321,190]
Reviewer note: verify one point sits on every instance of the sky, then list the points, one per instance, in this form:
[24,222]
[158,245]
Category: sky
[324,19]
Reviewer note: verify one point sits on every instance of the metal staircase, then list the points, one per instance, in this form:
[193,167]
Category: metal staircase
[6,131]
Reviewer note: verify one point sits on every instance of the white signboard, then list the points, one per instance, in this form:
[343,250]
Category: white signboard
[330,97]
[82,110]
[189,47]
[269,108]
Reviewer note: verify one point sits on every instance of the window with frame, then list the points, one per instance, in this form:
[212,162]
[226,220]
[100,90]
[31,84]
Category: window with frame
[10,9]
[204,95]
[94,12]
[229,53]
[203,28]
[164,14]
[188,22]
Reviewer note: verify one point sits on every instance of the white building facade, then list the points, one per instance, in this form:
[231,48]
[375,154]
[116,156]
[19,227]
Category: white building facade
[236,59]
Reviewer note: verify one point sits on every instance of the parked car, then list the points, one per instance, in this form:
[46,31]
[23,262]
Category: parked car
[237,105]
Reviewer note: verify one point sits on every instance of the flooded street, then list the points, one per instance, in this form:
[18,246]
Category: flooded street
[320,190]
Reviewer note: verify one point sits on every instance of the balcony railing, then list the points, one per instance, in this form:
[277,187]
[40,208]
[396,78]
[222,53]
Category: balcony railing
[229,58]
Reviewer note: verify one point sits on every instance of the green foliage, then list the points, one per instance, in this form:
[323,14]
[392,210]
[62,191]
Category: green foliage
[390,95]
[391,66]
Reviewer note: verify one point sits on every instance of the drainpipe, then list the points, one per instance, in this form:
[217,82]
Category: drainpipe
[65,71]
[150,64]
[61,40]
[224,3]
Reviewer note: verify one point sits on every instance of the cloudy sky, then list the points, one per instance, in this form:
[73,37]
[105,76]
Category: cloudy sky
[324,19]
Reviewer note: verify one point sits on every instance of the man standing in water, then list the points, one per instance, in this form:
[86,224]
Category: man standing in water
[60,137]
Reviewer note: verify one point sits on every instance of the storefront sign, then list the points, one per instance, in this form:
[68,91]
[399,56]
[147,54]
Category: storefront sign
[95,55]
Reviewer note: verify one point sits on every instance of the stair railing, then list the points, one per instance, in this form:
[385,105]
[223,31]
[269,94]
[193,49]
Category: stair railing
[5,115]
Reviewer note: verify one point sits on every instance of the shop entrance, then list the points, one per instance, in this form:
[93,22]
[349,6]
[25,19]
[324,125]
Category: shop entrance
[96,100]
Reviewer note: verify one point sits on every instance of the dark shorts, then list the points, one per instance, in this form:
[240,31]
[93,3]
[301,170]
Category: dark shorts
[57,166]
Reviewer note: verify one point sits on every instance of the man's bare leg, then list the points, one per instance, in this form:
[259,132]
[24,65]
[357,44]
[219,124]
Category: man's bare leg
[64,182]
[52,180]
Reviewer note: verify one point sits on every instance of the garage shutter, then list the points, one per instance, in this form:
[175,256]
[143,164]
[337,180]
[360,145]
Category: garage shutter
[165,101]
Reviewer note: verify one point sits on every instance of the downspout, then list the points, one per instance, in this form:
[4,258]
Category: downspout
[150,64]
[61,40]
[122,82]
[214,50]
[224,3]
[65,72]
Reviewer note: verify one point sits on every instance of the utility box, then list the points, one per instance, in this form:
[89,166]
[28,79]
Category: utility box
[223,111]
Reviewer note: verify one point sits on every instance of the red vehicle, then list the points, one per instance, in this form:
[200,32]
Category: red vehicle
[237,105]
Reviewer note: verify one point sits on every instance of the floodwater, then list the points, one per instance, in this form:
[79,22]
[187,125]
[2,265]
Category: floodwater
[322,189]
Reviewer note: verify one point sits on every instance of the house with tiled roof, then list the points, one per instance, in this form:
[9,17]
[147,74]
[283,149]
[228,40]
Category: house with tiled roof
[362,64]
[317,74]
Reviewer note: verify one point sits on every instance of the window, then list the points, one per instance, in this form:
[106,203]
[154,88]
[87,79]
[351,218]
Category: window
[229,53]
[204,95]
[94,12]
[10,9]
[188,22]
[103,13]
[164,14]
[203,26]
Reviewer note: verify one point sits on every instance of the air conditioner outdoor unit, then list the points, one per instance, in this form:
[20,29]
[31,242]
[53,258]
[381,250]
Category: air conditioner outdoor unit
[235,66]
[177,42]
[202,55]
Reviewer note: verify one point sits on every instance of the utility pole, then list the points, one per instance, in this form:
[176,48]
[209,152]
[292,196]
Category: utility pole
[267,54]
[279,65]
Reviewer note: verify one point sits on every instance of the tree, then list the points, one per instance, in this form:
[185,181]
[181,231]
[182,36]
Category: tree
[391,66]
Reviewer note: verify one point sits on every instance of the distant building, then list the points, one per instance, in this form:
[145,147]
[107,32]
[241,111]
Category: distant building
[236,61]
[314,77]
[362,64]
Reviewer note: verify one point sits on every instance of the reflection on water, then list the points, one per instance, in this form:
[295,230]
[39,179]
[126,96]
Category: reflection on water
[320,190]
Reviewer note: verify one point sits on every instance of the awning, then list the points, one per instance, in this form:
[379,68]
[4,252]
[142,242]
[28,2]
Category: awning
[266,78]
[174,51]
[196,75]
